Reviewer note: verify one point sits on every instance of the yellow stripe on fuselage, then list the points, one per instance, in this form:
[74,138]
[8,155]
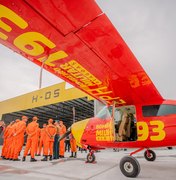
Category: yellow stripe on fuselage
[78,128]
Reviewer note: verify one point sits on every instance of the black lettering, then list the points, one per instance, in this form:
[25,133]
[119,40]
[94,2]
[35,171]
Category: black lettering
[34,99]
[56,93]
[48,95]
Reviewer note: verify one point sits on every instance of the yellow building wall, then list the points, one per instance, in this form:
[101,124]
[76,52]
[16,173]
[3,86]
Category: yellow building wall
[49,95]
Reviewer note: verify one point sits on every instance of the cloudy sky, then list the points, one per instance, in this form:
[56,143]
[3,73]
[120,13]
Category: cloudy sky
[149,29]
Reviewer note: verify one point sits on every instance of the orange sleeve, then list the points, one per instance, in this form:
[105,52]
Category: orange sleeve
[21,128]
[46,131]
[27,130]
[6,132]
[11,131]
[64,129]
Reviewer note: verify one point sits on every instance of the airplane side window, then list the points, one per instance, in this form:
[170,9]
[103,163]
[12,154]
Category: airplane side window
[158,110]
[149,111]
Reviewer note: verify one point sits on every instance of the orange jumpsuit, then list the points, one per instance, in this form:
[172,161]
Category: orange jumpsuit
[73,144]
[19,138]
[10,139]
[62,130]
[38,139]
[32,139]
[42,138]
[50,132]
[4,148]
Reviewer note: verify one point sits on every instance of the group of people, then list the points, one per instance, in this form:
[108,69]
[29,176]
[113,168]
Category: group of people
[38,139]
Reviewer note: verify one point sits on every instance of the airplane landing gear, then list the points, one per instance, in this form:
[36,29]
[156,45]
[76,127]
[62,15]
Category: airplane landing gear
[129,166]
[91,157]
[149,155]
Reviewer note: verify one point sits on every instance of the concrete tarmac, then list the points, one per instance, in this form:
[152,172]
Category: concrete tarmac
[105,168]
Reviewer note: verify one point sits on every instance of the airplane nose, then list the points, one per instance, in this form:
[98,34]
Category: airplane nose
[77,130]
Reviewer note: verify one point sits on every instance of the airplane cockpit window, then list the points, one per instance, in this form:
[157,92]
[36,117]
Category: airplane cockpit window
[117,114]
[104,114]
[158,110]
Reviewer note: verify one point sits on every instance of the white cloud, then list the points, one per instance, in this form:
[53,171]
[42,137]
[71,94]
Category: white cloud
[148,27]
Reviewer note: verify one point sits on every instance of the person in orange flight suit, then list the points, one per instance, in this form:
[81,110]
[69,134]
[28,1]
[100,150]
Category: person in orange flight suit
[50,132]
[73,146]
[38,140]
[62,130]
[11,146]
[6,140]
[19,137]
[32,132]
[42,138]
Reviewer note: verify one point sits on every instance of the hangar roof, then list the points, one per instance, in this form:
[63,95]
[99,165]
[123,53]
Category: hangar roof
[59,111]
[52,102]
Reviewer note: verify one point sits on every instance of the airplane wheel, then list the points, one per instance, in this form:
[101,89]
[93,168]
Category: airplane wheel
[152,156]
[90,158]
[129,166]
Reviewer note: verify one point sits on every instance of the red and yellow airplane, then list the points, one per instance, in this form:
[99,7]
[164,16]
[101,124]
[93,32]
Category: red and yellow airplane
[77,42]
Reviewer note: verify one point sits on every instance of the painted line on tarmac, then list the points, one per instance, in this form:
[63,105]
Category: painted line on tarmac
[66,160]
[102,172]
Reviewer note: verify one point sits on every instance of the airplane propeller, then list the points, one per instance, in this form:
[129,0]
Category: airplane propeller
[65,135]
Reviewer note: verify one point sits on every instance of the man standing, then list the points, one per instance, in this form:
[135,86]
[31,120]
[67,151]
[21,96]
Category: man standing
[19,137]
[50,132]
[5,142]
[38,140]
[42,138]
[56,143]
[73,146]
[62,130]
[11,146]
[32,132]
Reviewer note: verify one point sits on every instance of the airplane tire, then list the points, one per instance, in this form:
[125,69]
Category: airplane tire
[152,155]
[129,166]
[90,158]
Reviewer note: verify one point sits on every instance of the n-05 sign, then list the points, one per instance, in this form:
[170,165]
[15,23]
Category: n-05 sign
[46,96]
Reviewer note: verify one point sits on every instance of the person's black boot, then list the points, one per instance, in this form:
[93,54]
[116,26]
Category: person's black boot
[33,160]
[71,154]
[45,158]
[75,156]
[50,157]
[61,156]
[24,158]
[16,159]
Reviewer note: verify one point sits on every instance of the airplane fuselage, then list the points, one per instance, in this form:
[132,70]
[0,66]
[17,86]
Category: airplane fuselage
[155,126]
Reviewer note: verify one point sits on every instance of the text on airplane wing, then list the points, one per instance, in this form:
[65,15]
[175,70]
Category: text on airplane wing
[78,44]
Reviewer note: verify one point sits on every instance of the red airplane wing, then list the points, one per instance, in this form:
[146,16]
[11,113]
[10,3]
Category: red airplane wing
[79,44]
